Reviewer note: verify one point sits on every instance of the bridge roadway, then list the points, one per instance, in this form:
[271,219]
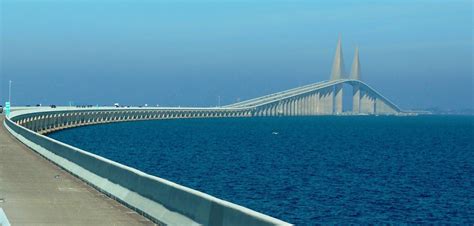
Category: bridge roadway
[33,191]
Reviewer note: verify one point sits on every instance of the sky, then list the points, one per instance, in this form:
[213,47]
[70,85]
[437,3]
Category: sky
[189,53]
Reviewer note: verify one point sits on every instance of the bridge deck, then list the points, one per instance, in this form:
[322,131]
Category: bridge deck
[34,191]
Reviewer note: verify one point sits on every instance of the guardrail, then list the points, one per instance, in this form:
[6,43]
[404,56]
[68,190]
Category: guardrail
[163,201]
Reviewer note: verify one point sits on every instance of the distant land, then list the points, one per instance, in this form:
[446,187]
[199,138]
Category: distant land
[441,111]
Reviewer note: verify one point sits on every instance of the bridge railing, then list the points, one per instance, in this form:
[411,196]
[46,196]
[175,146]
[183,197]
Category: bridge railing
[247,102]
[292,94]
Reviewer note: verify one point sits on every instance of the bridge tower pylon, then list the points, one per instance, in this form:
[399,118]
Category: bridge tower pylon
[336,74]
[355,74]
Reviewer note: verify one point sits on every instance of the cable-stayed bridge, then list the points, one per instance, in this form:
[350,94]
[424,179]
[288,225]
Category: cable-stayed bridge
[322,98]
[325,97]
[169,203]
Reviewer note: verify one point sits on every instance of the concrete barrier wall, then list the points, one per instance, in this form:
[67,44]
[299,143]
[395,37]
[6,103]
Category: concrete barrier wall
[161,200]
[48,120]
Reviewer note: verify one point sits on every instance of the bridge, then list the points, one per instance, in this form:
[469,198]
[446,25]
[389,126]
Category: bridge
[165,202]
[322,98]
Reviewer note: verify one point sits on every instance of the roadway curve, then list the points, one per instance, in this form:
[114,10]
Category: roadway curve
[35,192]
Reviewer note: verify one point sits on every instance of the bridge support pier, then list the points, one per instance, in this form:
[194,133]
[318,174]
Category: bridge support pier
[307,105]
[312,104]
[318,102]
[381,107]
[367,103]
[299,108]
[327,101]
[356,99]
[338,98]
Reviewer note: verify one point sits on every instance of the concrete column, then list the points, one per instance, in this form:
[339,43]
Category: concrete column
[297,105]
[47,122]
[338,98]
[316,102]
[299,109]
[356,99]
[367,102]
[322,101]
[317,98]
[371,104]
[33,124]
[288,107]
[283,108]
[364,99]
[38,123]
[308,104]
[303,105]
[294,107]
[328,106]
[291,108]
[374,102]
[43,122]
[380,106]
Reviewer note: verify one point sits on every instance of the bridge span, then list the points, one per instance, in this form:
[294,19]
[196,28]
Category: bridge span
[323,98]
[166,202]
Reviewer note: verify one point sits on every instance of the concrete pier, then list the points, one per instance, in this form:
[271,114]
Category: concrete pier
[338,99]
[34,191]
[356,99]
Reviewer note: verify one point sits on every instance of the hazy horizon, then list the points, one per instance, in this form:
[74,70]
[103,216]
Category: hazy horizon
[418,54]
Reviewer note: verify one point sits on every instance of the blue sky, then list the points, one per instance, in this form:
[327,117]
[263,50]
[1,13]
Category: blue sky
[186,53]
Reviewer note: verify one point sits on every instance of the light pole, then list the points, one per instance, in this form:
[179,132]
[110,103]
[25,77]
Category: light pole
[10,91]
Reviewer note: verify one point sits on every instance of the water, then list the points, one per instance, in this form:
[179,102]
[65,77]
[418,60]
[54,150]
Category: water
[307,170]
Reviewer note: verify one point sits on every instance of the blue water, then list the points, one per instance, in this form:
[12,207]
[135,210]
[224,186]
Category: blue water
[307,170]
